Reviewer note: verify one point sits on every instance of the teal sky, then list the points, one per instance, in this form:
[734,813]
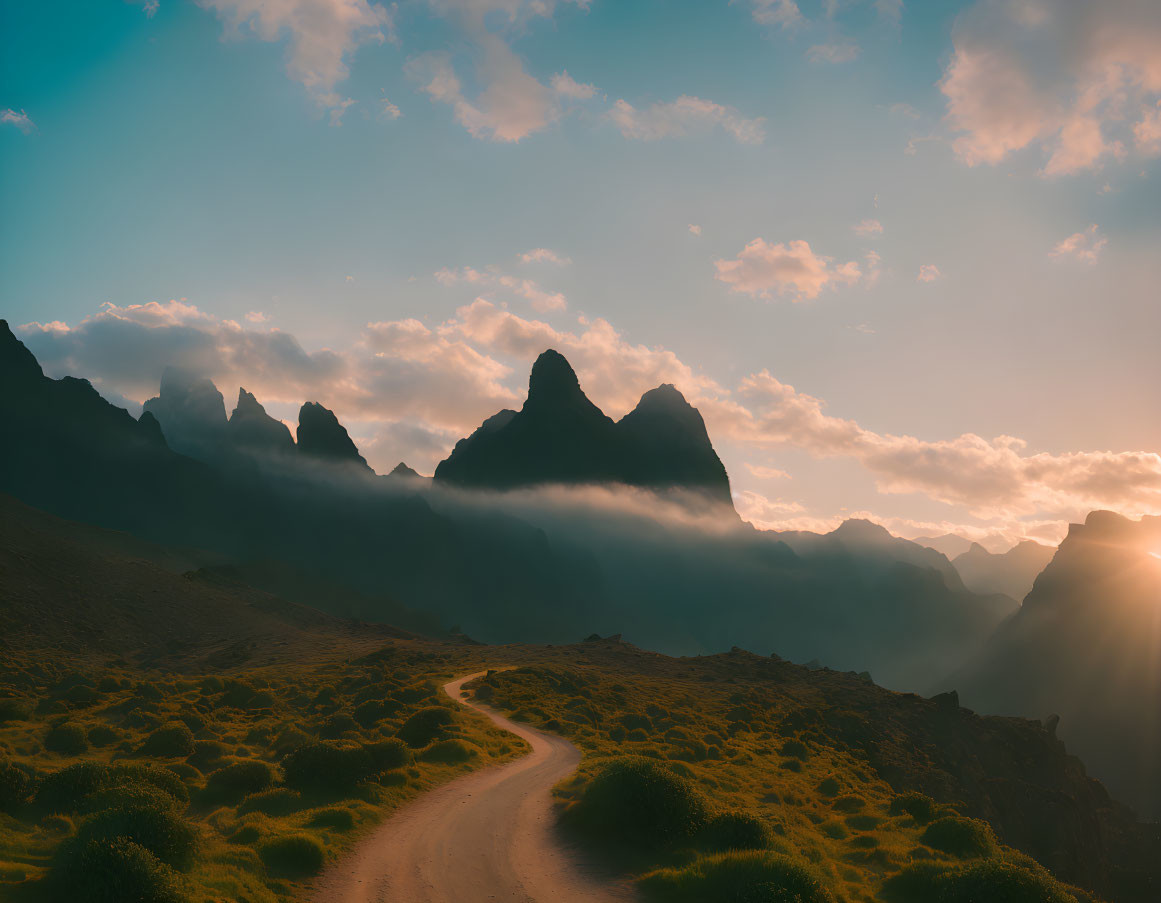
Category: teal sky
[940,220]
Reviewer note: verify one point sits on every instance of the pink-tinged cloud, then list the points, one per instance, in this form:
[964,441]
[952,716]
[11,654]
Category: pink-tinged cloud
[1076,79]
[684,116]
[492,278]
[928,272]
[567,86]
[17,119]
[766,270]
[868,228]
[1084,246]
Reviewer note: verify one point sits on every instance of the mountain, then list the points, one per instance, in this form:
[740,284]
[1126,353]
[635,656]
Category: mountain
[321,436]
[1086,646]
[251,429]
[1010,573]
[191,412]
[560,436]
[949,544]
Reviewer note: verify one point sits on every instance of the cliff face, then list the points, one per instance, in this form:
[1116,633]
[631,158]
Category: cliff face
[560,436]
[1086,646]
[321,436]
[252,429]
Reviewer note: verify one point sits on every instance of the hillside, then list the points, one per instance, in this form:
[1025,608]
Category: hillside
[1011,573]
[1086,646]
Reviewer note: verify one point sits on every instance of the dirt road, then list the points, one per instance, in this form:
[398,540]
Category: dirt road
[483,837]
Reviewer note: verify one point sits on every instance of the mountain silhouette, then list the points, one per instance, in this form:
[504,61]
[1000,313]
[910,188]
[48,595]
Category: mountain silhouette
[1011,573]
[560,436]
[252,429]
[1086,646]
[191,412]
[321,436]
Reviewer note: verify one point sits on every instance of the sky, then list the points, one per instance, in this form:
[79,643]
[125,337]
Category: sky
[903,256]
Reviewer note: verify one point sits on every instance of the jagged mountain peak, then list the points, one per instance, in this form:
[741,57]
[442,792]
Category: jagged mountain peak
[16,361]
[320,435]
[252,429]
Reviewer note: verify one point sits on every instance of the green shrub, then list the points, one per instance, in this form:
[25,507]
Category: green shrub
[161,831]
[999,882]
[327,767]
[67,739]
[292,855]
[128,793]
[914,884]
[116,870]
[428,724]
[334,818]
[278,801]
[448,752]
[247,834]
[103,735]
[232,782]
[169,741]
[750,877]
[206,753]
[336,725]
[735,831]
[920,807]
[642,802]
[371,712]
[794,749]
[63,791]
[16,786]
[849,804]
[388,754]
[962,837]
[14,710]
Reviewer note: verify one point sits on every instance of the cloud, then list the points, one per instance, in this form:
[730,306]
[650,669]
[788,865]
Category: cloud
[783,13]
[409,389]
[928,272]
[833,53]
[566,86]
[1080,80]
[390,110]
[868,228]
[1084,246]
[20,120]
[683,116]
[493,278]
[764,270]
[321,36]
[256,316]
[544,255]
[694,229]
[150,8]
[1147,132]
[767,473]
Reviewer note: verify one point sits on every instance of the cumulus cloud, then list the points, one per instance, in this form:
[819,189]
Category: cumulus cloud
[321,36]
[389,109]
[684,116]
[19,120]
[928,272]
[833,53]
[256,316]
[766,473]
[694,229]
[868,228]
[493,278]
[565,85]
[1084,246]
[783,13]
[1080,80]
[544,255]
[765,270]
[409,389]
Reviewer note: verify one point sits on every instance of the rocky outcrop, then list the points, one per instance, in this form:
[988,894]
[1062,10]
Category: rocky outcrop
[191,412]
[322,437]
[560,436]
[252,430]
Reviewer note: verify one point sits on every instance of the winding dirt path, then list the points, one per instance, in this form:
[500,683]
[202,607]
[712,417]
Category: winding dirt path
[486,836]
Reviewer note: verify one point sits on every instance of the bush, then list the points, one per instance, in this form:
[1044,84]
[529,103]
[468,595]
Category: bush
[16,786]
[643,802]
[388,754]
[794,749]
[914,884]
[14,710]
[129,793]
[103,735]
[239,779]
[278,801]
[849,804]
[333,817]
[65,790]
[206,752]
[169,741]
[327,767]
[920,807]
[116,870]
[447,752]
[738,878]
[428,724]
[292,856]
[999,882]
[161,831]
[735,831]
[962,837]
[371,712]
[67,739]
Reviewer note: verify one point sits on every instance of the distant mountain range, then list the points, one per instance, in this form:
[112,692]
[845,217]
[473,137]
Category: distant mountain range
[1086,646]
[531,566]
[1011,573]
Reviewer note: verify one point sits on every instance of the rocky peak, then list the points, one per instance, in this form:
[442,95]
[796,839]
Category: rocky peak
[552,381]
[252,429]
[16,361]
[320,435]
[191,411]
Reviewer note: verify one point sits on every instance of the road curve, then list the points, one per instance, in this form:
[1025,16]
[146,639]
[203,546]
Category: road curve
[485,836]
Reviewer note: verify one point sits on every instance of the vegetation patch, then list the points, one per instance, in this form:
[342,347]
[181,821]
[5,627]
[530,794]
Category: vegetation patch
[752,877]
